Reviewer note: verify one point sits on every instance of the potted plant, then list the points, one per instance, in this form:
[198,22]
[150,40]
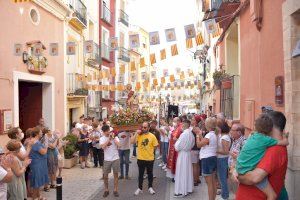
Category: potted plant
[226,84]
[70,149]
[218,76]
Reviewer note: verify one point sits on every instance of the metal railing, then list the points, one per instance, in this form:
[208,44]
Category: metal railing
[80,10]
[105,51]
[94,57]
[75,86]
[124,54]
[124,18]
[106,14]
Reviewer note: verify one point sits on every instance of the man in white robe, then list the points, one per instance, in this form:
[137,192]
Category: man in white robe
[184,183]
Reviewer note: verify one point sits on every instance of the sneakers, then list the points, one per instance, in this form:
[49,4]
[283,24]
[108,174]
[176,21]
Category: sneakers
[161,164]
[151,191]
[145,176]
[138,191]
[178,195]
[164,167]
[159,157]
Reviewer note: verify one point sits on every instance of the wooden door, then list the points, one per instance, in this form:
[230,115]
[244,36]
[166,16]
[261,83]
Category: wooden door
[30,104]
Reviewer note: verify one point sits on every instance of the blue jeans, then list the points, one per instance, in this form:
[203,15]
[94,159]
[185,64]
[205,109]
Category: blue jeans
[164,149]
[222,170]
[124,159]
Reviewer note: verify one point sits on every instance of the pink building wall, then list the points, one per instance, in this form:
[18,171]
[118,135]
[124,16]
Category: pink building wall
[17,28]
[261,57]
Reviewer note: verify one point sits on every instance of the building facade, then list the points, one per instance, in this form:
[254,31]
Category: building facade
[32,70]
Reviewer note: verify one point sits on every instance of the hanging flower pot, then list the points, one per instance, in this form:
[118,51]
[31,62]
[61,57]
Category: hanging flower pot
[226,84]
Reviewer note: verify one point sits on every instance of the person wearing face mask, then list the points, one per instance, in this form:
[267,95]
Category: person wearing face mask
[184,183]
[146,145]
[172,154]
[38,166]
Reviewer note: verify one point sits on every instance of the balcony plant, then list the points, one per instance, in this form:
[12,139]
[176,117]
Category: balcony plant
[218,76]
[81,91]
[70,149]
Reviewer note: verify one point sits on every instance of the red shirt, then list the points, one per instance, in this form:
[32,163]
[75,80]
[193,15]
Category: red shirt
[274,163]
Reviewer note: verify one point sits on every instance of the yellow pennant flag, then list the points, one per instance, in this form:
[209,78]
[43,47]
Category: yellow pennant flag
[122,69]
[189,43]
[163,54]
[138,86]
[174,50]
[152,58]
[146,83]
[218,31]
[113,72]
[199,39]
[172,78]
[162,80]
[182,76]
[155,82]
[94,87]
[132,66]
[119,87]
[142,62]
[112,88]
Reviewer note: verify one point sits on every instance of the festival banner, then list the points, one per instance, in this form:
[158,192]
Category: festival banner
[152,58]
[134,41]
[155,82]
[210,26]
[189,43]
[122,69]
[163,54]
[71,48]
[143,76]
[199,39]
[182,77]
[217,32]
[53,49]
[38,49]
[121,78]
[88,46]
[165,72]
[18,49]
[138,86]
[174,50]
[142,62]
[170,35]
[132,66]
[190,31]
[113,41]
[154,38]
[153,74]
[133,77]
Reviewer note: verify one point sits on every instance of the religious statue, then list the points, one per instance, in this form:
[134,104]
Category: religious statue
[132,100]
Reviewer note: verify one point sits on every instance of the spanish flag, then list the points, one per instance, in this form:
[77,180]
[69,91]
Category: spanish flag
[174,50]
[122,69]
[163,54]
[132,66]
[199,39]
[142,62]
[189,43]
[217,32]
[152,58]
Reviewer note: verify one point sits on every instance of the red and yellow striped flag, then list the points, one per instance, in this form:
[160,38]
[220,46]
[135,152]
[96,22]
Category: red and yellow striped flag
[132,66]
[189,43]
[199,39]
[152,58]
[112,72]
[218,31]
[142,62]
[174,50]
[163,54]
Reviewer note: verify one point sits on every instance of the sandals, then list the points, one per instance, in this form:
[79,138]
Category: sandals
[46,189]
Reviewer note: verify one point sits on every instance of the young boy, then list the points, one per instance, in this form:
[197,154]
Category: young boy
[255,148]
[109,143]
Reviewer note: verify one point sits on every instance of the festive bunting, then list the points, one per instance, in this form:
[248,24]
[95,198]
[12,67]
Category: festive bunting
[199,39]
[133,77]
[134,41]
[210,26]
[190,31]
[162,80]
[122,69]
[166,72]
[144,76]
[174,50]
[152,58]
[138,86]
[189,43]
[142,62]
[153,74]
[182,77]
[113,41]
[172,78]
[154,38]
[170,35]
[163,54]
[132,66]
[112,72]
[53,49]
[71,48]
[155,82]
[18,49]
[217,32]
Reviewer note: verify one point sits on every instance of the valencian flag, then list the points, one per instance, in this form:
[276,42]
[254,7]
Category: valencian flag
[190,31]
[199,39]
[162,54]
[152,58]
[172,111]
[174,50]
[132,66]
[154,38]
[142,62]
[189,43]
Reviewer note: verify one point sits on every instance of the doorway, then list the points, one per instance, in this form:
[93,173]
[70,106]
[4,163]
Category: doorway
[30,104]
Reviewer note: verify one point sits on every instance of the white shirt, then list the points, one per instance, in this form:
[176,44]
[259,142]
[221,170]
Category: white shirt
[226,138]
[79,125]
[124,138]
[111,150]
[96,133]
[3,186]
[210,149]
[164,138]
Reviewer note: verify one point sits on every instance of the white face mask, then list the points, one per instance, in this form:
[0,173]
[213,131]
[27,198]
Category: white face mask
[21,136]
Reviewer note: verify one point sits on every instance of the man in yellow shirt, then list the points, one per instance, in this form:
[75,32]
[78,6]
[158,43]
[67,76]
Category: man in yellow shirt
[146,144]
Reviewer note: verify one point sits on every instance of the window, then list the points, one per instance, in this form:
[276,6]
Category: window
[34,16]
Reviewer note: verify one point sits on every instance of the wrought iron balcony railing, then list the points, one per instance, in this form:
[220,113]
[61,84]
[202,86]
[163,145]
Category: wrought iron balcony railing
[124,18]
[105,52]
[80,10]
[106,15]
[76,85]
[124,54]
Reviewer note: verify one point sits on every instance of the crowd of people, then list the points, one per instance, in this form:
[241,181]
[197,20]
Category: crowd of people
[250,165]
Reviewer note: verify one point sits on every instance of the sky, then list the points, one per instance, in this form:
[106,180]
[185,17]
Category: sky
[158,15]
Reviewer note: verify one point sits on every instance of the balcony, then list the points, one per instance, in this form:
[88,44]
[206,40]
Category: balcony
[93,59]
[79,15]
[106,53]
[124,18]
[124,54]
[106,15]
[75,85]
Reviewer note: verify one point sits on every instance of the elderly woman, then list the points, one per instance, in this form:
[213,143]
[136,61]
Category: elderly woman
[208,155]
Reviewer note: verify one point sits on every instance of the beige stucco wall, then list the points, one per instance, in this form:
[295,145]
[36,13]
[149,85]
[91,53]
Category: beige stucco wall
[18,28]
